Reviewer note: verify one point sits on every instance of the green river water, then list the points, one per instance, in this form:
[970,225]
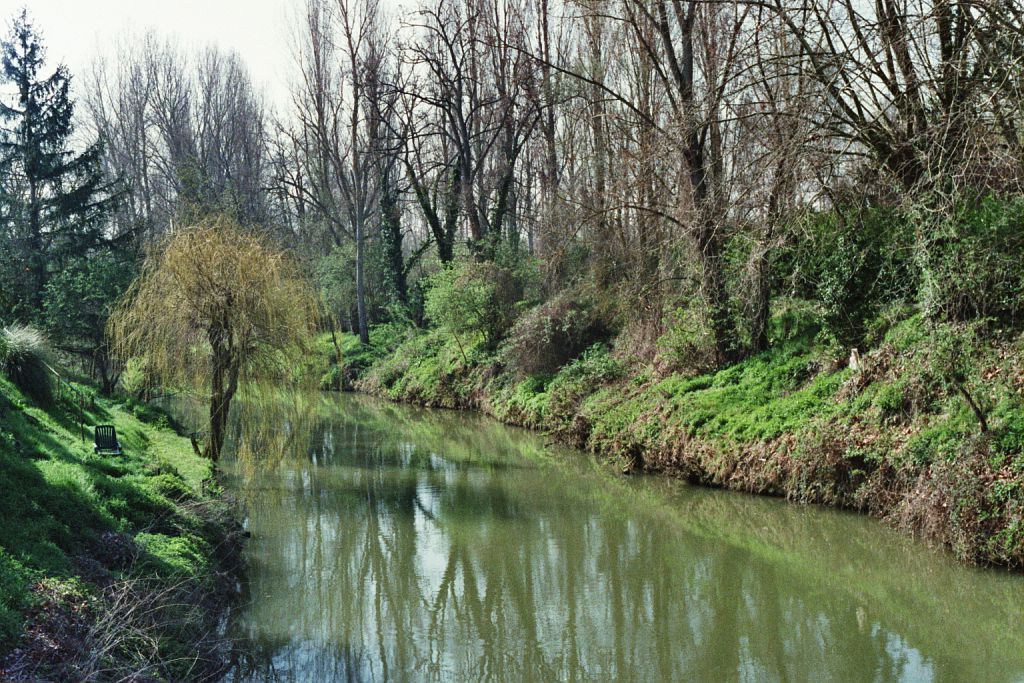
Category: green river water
[395,544]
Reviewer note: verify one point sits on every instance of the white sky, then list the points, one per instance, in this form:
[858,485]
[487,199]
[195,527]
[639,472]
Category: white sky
[75,31]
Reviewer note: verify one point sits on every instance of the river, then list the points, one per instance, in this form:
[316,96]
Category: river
[397,544]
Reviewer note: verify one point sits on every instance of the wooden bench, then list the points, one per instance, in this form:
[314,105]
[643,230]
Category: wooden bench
[106,440]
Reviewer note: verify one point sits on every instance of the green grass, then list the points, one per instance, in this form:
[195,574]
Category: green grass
[428,368]
[339,358]
[760,398]
[59,497]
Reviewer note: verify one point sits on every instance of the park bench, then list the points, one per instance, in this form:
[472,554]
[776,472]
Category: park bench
[106,440]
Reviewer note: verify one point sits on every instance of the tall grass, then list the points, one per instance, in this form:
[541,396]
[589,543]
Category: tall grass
[24,358]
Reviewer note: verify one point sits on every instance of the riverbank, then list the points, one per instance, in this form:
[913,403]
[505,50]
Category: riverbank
[387,530]
[896,438]
[116,564]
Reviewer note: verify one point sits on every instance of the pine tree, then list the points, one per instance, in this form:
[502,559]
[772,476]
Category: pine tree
[54,199]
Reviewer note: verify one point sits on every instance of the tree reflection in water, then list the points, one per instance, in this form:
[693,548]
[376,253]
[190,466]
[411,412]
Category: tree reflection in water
[395,544]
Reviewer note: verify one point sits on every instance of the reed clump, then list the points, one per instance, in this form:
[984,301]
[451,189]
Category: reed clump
[25,360]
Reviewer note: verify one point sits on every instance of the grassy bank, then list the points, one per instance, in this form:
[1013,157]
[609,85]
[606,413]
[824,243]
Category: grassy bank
[897,437]
[111,567]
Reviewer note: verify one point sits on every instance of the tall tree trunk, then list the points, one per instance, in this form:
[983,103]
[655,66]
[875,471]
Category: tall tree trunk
[760,310]
[108,379]
[223,384]
[391,236]
[36,254]
[549,172]
[710,250]
[364,332]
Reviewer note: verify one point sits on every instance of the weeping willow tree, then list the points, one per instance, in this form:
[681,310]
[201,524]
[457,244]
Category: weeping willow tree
[215,308]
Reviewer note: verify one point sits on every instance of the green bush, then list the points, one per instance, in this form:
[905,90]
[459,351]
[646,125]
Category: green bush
[134,378]
[524,403]
[474,301]
[854,261]
[970,262]
[940,362]
[890,398]
[793,318]
[580,378]
[355,357]
[688,345]
[335,279]
[1008,417]
[24,356]
[77,304]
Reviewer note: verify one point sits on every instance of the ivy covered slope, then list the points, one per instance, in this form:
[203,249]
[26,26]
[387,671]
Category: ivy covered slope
[897,437]
[112,564]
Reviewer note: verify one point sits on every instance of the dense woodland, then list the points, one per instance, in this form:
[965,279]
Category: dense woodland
[665,168]
[634,191]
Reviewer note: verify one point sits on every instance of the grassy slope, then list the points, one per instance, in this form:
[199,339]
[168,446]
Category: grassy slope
[68,512]
[890,439]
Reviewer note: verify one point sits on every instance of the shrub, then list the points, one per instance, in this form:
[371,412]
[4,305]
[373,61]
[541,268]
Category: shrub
[78,300]
[23,358]
[474,301]
[890,398]
[970,262]
[792,319]
[578,379]
[688,346]
[332,379]
[336,280]
[854,261]
[941,361]
[134,377]
[1009,415]
[356,357]
[550,335]
[949,357]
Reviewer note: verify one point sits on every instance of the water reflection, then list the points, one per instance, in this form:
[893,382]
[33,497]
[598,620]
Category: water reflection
[392,544]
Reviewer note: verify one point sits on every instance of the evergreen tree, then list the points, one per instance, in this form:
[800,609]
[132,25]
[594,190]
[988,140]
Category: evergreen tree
[54,198]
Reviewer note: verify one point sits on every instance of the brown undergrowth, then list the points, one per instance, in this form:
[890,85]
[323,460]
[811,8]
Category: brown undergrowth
[119,621]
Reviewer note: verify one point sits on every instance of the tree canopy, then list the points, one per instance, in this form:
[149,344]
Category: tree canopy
[215,307]
[55,198]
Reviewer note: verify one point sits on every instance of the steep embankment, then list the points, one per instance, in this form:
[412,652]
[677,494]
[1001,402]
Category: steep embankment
[897,438]
[112,564]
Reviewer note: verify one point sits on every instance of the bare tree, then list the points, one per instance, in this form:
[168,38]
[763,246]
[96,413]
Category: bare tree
[476,80]
[335,131]
[910,83]
[184,134]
